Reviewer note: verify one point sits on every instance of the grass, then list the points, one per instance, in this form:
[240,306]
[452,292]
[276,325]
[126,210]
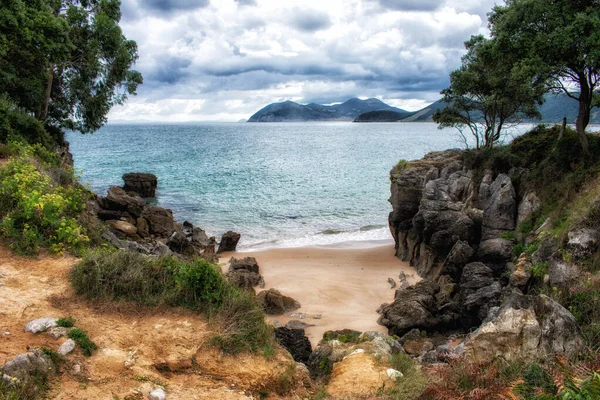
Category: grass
[33,388]
[412,384]
[344,336]
[83,341]
[67,322]
[195,285]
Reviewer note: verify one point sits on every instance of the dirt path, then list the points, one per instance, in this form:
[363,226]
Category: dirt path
[164,346]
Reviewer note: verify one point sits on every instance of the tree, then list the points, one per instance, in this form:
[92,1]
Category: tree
[66,62]
[486,93]
[560,41]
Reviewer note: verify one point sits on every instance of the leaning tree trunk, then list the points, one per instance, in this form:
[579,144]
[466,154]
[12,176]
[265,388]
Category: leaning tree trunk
[49,79]
[583,117]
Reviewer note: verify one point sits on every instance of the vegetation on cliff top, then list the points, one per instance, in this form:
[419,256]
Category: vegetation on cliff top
[536,46]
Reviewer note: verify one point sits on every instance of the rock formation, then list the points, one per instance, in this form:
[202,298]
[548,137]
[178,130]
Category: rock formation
[140,183]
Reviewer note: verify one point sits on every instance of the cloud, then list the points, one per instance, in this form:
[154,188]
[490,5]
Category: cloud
[168,6]
[310,20]
[411,5]
[225,59]
[246,2]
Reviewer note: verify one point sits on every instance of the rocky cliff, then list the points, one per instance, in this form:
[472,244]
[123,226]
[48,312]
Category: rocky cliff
[457,225]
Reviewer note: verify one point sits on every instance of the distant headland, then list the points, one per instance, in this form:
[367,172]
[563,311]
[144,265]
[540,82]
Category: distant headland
[374,110]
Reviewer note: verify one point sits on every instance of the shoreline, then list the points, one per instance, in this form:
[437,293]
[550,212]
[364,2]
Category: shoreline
[344,286]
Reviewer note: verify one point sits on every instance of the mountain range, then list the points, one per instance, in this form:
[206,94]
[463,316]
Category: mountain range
[373,110]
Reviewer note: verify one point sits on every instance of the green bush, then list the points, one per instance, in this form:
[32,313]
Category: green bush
[35,387]
[35,212]
[585,307]
[67,322]
[412,384]
[17,123]
[196,285]
[344,336]
[83,341]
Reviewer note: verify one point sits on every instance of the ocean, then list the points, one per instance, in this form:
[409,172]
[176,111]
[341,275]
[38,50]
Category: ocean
[278,184]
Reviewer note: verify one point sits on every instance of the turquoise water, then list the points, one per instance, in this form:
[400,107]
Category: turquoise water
[283,184]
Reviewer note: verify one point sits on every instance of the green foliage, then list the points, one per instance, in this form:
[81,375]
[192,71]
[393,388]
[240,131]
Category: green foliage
[539,270]
[344,336]
[587,390]
[83,341]
[34,211]
[585,307]
[508,235]
[412,384]
[494,379]
[67,322]
[196,285]
[558,41]
[486,93]
[66,62]
[16,123]
[402,164]
[33,388]
[54,356]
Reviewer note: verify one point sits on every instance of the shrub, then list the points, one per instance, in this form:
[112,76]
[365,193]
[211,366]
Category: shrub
[34,211]
[412,384]
[68,322]
[83,341]
[17,123]
[344,336]
[196,285]
[35,387]
[585,307]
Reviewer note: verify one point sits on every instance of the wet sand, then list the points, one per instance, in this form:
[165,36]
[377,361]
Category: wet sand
[343,286]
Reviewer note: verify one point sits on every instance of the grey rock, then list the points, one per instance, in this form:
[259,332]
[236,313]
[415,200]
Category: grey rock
[530,204]
[526,327]
[157,394]
[548,246]
[229,242]
[392,282]
[560,272]
[583,243]
[57,332]
[247,263]
[40,325]
[26,364]
[500,209]
[118,200]
[160,221]
[496,251]
[295,324]
[66,347]
[413,307]
[141,183]
[296,342]
[274,303]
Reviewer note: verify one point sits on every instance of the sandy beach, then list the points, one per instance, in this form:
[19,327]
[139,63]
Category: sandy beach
[343,286]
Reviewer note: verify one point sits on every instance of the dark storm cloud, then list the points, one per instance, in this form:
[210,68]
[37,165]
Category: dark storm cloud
[411,5]
[170,70]
[310,20]
[168,6]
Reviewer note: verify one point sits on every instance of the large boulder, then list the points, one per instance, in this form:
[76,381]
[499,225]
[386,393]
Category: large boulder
[118,200]
[561,272]
[229,242]
[413,307]
[478,290]
[500,210]
[122,228]
[141,183]
[526,327]
[583,243]
[26,365]
[294,341]
[247,263]
[160,221]
[274,303]
[530,204]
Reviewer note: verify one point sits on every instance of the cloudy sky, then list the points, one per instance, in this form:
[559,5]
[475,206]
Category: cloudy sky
[222,60]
